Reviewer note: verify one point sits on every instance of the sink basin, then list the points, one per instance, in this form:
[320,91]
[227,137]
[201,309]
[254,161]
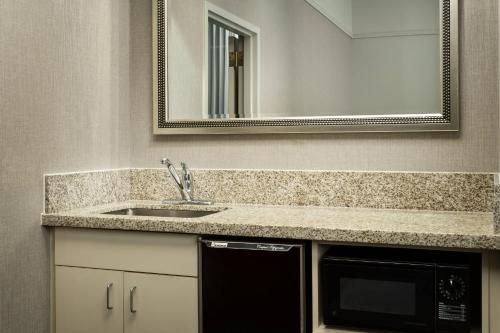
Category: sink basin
[162,212]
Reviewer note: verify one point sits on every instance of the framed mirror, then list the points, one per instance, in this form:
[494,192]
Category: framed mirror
[306,66]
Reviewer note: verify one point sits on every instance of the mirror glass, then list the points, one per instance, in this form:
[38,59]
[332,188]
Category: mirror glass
[319,58]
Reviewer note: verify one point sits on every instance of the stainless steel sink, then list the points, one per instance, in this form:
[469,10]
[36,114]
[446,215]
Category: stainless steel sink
[162,212]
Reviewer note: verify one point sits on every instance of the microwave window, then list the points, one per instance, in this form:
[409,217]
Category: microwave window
[389,297]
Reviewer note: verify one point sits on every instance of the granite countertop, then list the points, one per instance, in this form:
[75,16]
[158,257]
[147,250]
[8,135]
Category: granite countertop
[468,230]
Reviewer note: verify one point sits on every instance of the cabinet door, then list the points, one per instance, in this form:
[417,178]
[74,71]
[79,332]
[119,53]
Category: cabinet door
[160,303]
[88,300]
[494,292]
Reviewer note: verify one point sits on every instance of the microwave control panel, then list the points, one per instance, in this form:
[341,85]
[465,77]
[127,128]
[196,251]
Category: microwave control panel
[453,301]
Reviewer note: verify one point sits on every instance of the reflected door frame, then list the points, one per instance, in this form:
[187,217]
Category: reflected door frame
[251,34]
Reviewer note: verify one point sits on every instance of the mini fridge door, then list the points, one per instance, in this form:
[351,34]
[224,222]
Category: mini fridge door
[249,287]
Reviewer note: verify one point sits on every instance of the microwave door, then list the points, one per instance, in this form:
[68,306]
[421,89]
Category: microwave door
[380,295]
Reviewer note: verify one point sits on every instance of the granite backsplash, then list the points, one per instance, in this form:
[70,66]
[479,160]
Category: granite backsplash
[388,190]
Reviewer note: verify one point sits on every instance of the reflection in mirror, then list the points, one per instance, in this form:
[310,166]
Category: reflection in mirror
[225,71]
[233,64]
[322,58]
[309,65]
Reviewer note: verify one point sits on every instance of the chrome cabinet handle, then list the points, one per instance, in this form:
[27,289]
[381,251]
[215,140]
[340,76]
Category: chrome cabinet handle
[132,293]
[109,306]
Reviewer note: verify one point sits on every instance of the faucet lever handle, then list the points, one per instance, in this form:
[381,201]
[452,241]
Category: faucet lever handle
[187,178]
[173,172]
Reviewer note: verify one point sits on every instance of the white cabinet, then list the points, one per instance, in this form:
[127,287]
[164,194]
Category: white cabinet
[88,300]
[160,301]
[162,253]
[125,282]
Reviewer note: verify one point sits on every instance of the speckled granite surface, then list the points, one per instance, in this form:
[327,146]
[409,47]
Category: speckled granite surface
[497,204]
[370,226]
[427,191]
[83,189]
[426,209]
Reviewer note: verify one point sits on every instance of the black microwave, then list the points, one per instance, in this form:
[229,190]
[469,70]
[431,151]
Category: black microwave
[400,289]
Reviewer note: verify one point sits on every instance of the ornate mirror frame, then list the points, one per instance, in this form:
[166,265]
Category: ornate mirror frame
[447,121]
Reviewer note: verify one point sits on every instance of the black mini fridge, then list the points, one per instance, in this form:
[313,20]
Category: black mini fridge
[253,287]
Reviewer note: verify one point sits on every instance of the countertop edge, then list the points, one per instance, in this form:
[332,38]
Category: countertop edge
[88,218]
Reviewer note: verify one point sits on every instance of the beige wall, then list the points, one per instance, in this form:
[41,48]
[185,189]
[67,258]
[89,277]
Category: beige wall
[339,12]
[186,57]
[316,89]
[63,106]
[474,148]
[381,16]
[409,64]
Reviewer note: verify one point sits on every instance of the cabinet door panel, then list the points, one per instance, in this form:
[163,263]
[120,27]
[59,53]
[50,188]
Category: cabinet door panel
[82,300]
[494,292]
[162,303]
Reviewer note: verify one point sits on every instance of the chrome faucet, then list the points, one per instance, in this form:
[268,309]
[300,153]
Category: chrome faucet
[184,184]
[187,180]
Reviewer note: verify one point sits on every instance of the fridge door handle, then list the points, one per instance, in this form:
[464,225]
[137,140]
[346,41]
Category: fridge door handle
[249,246]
